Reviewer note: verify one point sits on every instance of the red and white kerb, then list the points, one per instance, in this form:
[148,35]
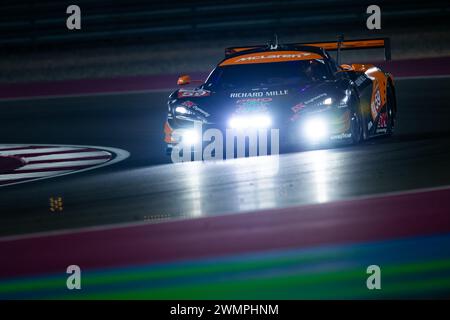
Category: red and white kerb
[23,163]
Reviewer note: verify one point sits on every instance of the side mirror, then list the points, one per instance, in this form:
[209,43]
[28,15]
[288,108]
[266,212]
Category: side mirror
[183,80]
[346,67]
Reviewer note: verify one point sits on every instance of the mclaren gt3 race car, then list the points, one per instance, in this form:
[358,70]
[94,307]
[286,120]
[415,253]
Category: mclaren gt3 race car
[298,89]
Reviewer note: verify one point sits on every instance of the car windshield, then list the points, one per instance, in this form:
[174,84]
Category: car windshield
[268,74]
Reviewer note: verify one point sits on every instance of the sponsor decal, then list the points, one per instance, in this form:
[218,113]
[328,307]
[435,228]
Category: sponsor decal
[182,93]
[252,105]
[297,107]
[203,112]
[360,80]
[246,94]
[382,122]
[271,57]
[299,55]
[276,93]
[341,136]
[251,109]
[255,100]
[188,104]
[315,98]
[375,105]
[195,107]
[381,130]
[259,94]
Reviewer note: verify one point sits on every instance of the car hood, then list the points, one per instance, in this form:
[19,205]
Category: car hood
[281,102]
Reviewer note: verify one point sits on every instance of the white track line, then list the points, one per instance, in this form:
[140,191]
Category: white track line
[64,156]
[33,151]
[60,164]
[29,175]
[120,155]
[13,146]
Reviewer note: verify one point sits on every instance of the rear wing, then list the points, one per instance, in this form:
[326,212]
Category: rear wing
[341,44]
[338,45]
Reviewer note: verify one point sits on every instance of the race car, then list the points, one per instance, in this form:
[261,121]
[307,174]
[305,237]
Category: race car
[297,88]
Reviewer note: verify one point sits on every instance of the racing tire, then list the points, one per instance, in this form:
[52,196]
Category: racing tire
[390,110]
[356,128]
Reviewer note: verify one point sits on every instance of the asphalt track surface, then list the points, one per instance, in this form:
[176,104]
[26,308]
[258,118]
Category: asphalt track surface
[300,225]
[146,187]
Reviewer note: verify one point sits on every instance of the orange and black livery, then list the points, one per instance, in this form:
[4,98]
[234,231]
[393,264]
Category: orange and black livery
[298,88]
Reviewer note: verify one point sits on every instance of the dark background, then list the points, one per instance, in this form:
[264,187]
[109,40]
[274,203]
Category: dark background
[127,38]
[40,24]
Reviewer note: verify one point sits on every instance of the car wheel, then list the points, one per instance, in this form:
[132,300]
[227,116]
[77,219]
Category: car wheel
[390,110]
[356,128]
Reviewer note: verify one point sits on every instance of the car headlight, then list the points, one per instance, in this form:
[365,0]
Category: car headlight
[315,129]
[182,110]
[322,105]
[243,122]
[190,137]
[327,101]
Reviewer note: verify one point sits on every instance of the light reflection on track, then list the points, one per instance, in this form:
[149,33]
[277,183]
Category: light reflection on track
[136,190]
